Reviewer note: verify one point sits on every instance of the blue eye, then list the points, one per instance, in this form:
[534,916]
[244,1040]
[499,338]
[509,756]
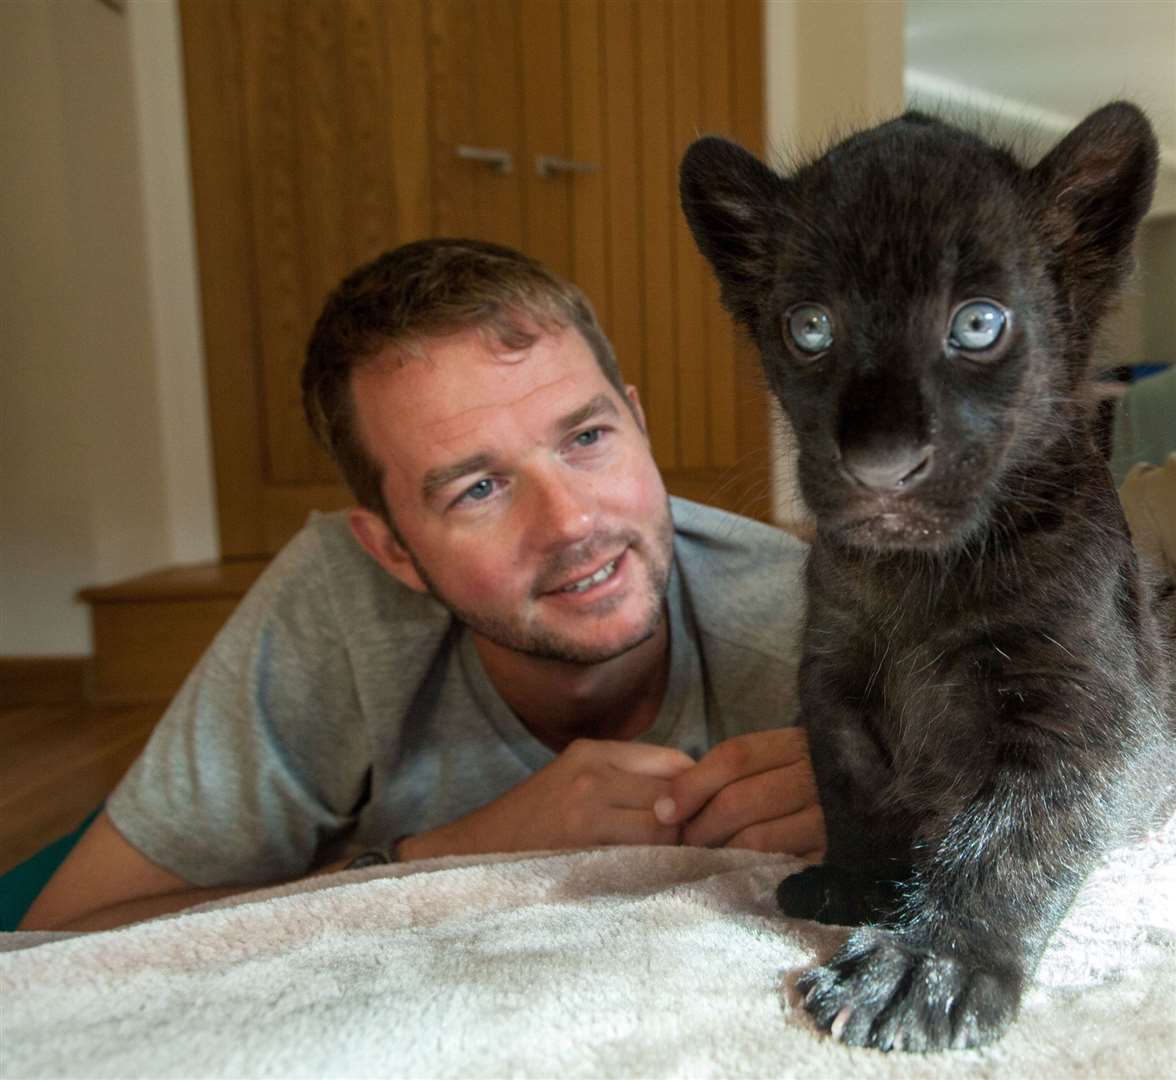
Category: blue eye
[483,489]
[977,325]
[587,438]
[809,327]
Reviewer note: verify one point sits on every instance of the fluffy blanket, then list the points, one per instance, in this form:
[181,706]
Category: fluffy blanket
[623,962]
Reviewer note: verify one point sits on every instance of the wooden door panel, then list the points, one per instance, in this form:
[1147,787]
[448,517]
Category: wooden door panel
[215,109]
[279,234]
[295,121]
[316,78]
[620,183]
[476,101]
[410,150]
[371,215]
[589,253]
[321,161]
[325,131]
[720,406]
[543,74]
[691,276]
[658,210]
[754,465]
[716,114]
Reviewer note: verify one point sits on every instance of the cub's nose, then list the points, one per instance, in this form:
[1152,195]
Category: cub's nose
[890,469]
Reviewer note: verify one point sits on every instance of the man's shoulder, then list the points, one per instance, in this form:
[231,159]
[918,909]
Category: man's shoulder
[708,533]
[323,566]
[744,577]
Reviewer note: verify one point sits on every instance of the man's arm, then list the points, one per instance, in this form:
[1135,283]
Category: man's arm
[594,793]
[106,881]
[102,873]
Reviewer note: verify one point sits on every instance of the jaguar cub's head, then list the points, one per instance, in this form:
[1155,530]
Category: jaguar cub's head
[924,306]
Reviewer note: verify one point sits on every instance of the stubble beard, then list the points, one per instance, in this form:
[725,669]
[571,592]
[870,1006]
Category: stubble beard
[544,643]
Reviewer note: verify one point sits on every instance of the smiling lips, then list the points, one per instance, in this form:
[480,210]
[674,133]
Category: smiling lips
[603,574]
[581,585]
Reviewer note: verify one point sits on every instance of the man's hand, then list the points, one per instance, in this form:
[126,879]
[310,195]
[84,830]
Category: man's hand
[595,793]
[753,791]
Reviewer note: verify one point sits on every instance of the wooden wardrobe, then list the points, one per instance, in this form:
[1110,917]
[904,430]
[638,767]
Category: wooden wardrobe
[326,131]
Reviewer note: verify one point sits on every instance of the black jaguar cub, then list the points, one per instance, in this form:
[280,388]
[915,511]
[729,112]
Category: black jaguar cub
[986,674]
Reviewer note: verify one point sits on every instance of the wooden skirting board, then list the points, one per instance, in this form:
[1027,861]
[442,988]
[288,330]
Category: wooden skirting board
[43,680]
[150,631]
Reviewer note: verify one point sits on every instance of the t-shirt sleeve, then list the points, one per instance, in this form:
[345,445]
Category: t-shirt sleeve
[256,771]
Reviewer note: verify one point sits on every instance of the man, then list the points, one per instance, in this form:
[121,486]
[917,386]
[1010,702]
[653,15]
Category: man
[509,644]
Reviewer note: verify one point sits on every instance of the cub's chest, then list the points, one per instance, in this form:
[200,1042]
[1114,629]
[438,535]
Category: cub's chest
[915,705]
[911,687]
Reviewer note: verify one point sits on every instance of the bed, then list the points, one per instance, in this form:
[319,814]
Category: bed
[621,962]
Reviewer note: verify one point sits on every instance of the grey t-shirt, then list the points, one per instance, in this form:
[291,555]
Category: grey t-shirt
[339,708]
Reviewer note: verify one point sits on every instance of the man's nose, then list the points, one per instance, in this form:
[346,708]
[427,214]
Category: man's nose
[565,510]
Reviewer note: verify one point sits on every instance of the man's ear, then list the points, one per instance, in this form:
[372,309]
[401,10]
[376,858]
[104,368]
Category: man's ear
[378,540]
[635,405]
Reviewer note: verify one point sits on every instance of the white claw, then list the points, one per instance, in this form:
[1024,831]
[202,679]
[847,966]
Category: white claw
[840,1020]
[963,1036]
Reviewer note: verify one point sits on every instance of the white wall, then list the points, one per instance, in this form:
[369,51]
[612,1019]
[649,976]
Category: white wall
[1158,265]
[104,458]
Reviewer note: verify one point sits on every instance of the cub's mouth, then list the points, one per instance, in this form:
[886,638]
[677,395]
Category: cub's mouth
[897,527]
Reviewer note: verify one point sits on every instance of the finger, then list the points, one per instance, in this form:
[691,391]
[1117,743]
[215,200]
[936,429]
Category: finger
[624,826]
[631,757]
[743,803]
[732,759]
[801,834]
[632,791]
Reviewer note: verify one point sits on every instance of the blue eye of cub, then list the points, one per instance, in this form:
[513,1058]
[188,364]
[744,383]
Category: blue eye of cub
[977,325]
[810,327]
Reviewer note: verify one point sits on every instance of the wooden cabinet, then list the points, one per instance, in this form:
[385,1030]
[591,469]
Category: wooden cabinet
[326,131]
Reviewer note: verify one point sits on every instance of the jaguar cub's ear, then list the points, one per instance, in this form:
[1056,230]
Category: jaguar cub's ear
[1096,185]
[731,200]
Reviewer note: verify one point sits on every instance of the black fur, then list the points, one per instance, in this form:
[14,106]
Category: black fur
[986,677]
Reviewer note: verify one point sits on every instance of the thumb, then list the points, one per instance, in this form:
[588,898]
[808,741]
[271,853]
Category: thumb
[689,792]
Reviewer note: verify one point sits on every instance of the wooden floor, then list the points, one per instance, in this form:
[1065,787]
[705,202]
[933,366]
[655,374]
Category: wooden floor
[59,763]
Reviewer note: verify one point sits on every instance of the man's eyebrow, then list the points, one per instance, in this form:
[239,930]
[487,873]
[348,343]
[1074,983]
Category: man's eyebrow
[436,479]
[601,405]
[442,476]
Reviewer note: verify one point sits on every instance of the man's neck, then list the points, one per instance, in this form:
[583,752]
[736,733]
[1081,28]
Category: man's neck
[559,702]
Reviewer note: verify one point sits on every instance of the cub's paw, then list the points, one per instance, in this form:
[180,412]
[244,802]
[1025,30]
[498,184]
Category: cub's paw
[831,894]
[885,991]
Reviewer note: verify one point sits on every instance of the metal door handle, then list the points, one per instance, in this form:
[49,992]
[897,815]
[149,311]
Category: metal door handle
[548,165]
[502,160]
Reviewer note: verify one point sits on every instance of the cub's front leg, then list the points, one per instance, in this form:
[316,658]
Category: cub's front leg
[991,878]
[868,838]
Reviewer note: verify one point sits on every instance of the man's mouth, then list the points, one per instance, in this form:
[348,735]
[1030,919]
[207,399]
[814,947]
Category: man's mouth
[601,575]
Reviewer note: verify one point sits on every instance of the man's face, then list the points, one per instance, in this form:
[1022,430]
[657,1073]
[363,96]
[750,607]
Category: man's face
[524,492]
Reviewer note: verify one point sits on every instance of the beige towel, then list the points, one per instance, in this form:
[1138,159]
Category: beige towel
[641,962]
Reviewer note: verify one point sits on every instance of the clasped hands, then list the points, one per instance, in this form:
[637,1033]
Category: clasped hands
[752,791]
